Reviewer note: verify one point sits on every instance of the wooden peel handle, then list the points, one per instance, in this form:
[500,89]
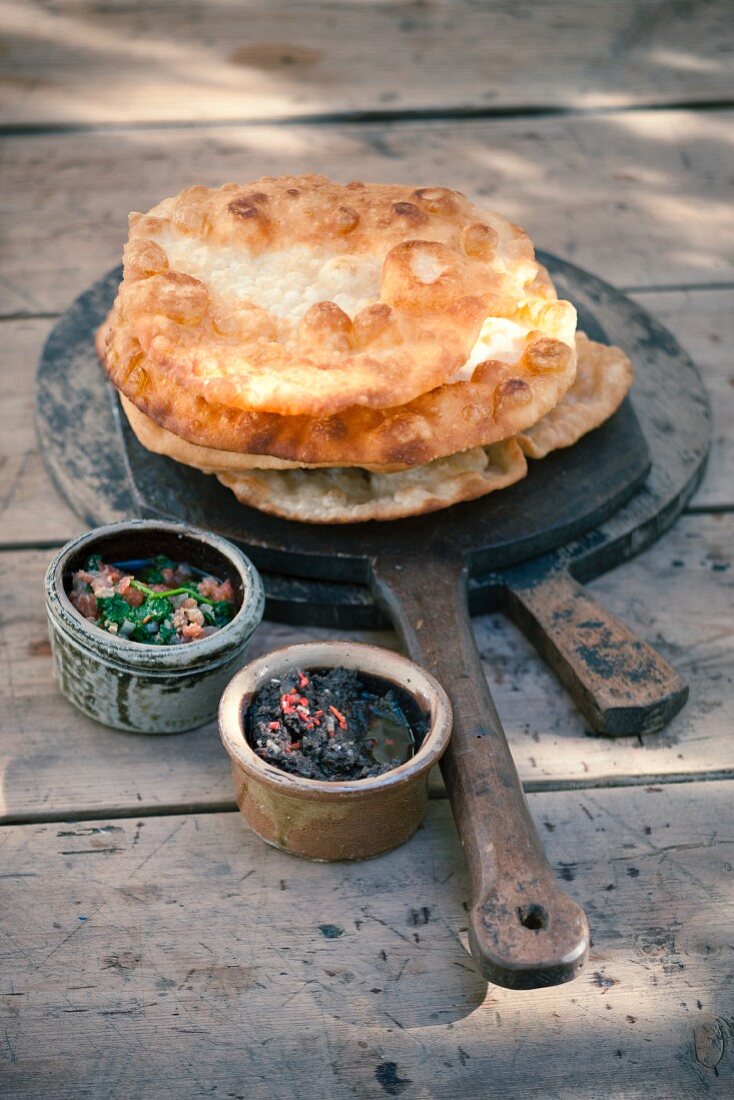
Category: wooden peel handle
[618,681]
[525,931]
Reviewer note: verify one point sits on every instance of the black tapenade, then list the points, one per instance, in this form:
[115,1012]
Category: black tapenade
[334,724]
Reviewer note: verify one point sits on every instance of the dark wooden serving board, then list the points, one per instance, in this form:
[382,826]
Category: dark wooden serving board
[527,549]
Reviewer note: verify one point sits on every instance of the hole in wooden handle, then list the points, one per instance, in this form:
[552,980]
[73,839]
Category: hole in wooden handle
[533,916]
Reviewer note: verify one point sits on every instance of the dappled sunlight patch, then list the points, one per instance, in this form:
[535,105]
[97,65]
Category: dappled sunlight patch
[675,128]
[688,62]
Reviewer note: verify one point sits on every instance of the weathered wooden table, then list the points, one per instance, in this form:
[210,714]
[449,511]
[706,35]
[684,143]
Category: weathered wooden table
[152,947]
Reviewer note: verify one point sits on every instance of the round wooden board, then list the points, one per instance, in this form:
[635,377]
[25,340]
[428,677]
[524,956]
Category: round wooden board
[86,444]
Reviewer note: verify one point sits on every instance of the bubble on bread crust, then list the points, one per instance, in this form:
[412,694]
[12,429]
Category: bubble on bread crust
[422,276]
[345,219]
[546,354]
[148,225]
[473,413]
[248,322]
[314,181]
[249,216]
[526,272]
[541,285]
[243,208]
[426,267]
[480,241]
[327,324]
[327,315]
[603,378]
[520,245]
[179,297]
[436,200]
[511,393]
[412,213]
[226,324]
[372,322]
[198,191]
[137,376]
[189,219]
[161,344]
[552,318]
[142,259]
[286,282]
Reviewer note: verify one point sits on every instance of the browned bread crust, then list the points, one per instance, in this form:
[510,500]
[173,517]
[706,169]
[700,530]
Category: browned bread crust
[353,496]
[499,401]
[302,297]
[603,378]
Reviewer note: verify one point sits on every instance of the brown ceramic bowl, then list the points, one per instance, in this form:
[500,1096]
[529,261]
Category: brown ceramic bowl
[321,820]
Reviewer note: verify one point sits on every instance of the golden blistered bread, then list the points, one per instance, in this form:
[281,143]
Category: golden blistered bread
[161,441]
[341,353]
[300,296]
[603,377]
[497,401]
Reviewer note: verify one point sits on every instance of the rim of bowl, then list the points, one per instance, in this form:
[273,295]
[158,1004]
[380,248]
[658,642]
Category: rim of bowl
[129,652]
[309,655]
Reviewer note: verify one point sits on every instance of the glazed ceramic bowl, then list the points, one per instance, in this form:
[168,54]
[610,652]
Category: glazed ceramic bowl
[145,688]
[341,820]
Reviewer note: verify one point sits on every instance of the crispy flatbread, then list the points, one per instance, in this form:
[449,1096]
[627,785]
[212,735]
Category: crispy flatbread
[209,459]
[342,495]
[353,496]
[603,378]
[498,401]
[299,296]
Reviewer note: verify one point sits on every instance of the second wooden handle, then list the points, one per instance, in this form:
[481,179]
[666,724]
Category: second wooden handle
[618,681]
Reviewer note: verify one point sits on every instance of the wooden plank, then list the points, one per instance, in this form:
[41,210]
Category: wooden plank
[703,322]
[187,959]
[637,198]
[678,596]
[31,510]
[114,62]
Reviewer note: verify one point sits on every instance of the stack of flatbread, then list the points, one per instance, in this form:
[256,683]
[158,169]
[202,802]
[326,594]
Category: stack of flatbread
[337,353]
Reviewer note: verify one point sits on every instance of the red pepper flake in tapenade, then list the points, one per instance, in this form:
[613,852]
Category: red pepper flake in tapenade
[333,724]
[339,717]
